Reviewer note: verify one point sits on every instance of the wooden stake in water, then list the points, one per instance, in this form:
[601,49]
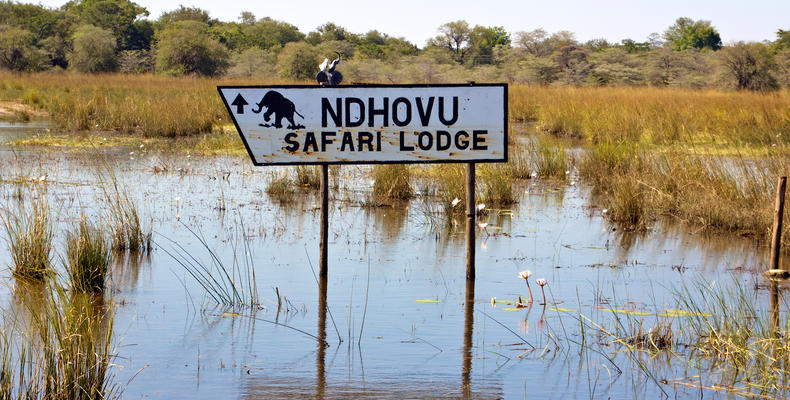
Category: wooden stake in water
[470,221]
[324,241]
[776,237]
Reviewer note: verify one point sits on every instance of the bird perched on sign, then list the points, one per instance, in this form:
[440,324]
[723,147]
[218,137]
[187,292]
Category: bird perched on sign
[327,76]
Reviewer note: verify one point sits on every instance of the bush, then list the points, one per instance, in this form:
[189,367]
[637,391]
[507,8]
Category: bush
[186,48]
[94,50]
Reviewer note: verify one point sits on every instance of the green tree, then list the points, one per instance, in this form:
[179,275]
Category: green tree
[298,60]
[687,33]
[17,52]
[40,21]
[782,39]
[118,16]
[247,18]
[453,36]
[751,65]
[184,14]
[94,50]
[185,47]
[482,41]
[327,32]
[632,46]
[267,33]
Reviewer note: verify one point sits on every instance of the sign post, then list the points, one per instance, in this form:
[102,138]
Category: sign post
[373,124]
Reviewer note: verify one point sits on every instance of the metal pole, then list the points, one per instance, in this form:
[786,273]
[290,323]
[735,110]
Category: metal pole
[776,237]
[469,322]
[470,221]
[324,241]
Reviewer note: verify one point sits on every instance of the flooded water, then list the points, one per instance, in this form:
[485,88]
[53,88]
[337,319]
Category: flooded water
[411,333]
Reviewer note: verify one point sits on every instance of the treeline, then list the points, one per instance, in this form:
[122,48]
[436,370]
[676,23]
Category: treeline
[114,35]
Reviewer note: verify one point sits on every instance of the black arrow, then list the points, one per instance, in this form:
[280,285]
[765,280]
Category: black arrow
[239,102]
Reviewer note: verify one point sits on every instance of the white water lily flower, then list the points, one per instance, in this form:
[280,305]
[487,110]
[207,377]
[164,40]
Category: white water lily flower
[177,198]
[541,281]
[605,210]
[525,274]
[567,172]
[455,201]
[480,207]
[483,225]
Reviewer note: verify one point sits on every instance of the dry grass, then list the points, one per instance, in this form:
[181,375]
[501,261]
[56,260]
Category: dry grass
[88,256]
[29,233]
[144,104]
[392,182]
[655,115]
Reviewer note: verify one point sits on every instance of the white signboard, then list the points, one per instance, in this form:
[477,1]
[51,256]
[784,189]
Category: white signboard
[370,124]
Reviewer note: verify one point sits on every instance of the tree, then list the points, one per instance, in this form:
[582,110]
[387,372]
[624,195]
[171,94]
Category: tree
[184,14]
[253,62]
[454,36]
[687,33]
[94,50]
[118,16]
[268,33]
[751,65]
[635,47]
[782,39]
[17,52]
[247,18]
[298,60]
[185,47]
[482,41]
[534,42]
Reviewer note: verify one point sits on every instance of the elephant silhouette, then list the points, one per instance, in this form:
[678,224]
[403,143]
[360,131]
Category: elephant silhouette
[281,107]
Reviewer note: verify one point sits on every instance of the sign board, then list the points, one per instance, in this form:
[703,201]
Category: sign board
[370,124]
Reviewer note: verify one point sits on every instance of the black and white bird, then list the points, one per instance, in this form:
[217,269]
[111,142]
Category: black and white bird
[327,75]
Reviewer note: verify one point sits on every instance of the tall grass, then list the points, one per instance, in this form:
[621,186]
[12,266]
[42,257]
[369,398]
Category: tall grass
[88,256]
[228,283]
[29,233]
[655,115]
[64,354]
[392,182]
[308,176]
[127,230]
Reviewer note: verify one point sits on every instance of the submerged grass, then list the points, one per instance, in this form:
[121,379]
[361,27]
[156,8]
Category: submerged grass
[228,284]
[65,352]
[88,256]
[714,329]
[30,233]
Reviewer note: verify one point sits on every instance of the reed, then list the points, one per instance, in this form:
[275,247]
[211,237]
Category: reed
[126,228]
[88,256]
[66,353]
[392,182]
[228,283]
[30,233]
[281,186]
[655,115]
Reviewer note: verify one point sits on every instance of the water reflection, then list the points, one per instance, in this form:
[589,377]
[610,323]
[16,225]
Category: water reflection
[469,321]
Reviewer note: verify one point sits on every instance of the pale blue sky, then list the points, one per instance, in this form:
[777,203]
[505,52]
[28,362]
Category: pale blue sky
[417,20]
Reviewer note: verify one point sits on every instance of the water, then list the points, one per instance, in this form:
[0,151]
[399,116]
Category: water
[172,341]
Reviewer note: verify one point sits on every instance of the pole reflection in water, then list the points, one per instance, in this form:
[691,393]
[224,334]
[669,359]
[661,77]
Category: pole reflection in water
[320,358]
[774,302]
[469,320]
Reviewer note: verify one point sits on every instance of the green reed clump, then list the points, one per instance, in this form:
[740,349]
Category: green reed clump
[392,182]
[550,160]
[497,184]
[64,353]
[88,256]
[30,233]
[126,228]
[519,161]
[448,183]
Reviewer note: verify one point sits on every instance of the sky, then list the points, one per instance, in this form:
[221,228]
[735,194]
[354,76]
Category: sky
[418,20]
